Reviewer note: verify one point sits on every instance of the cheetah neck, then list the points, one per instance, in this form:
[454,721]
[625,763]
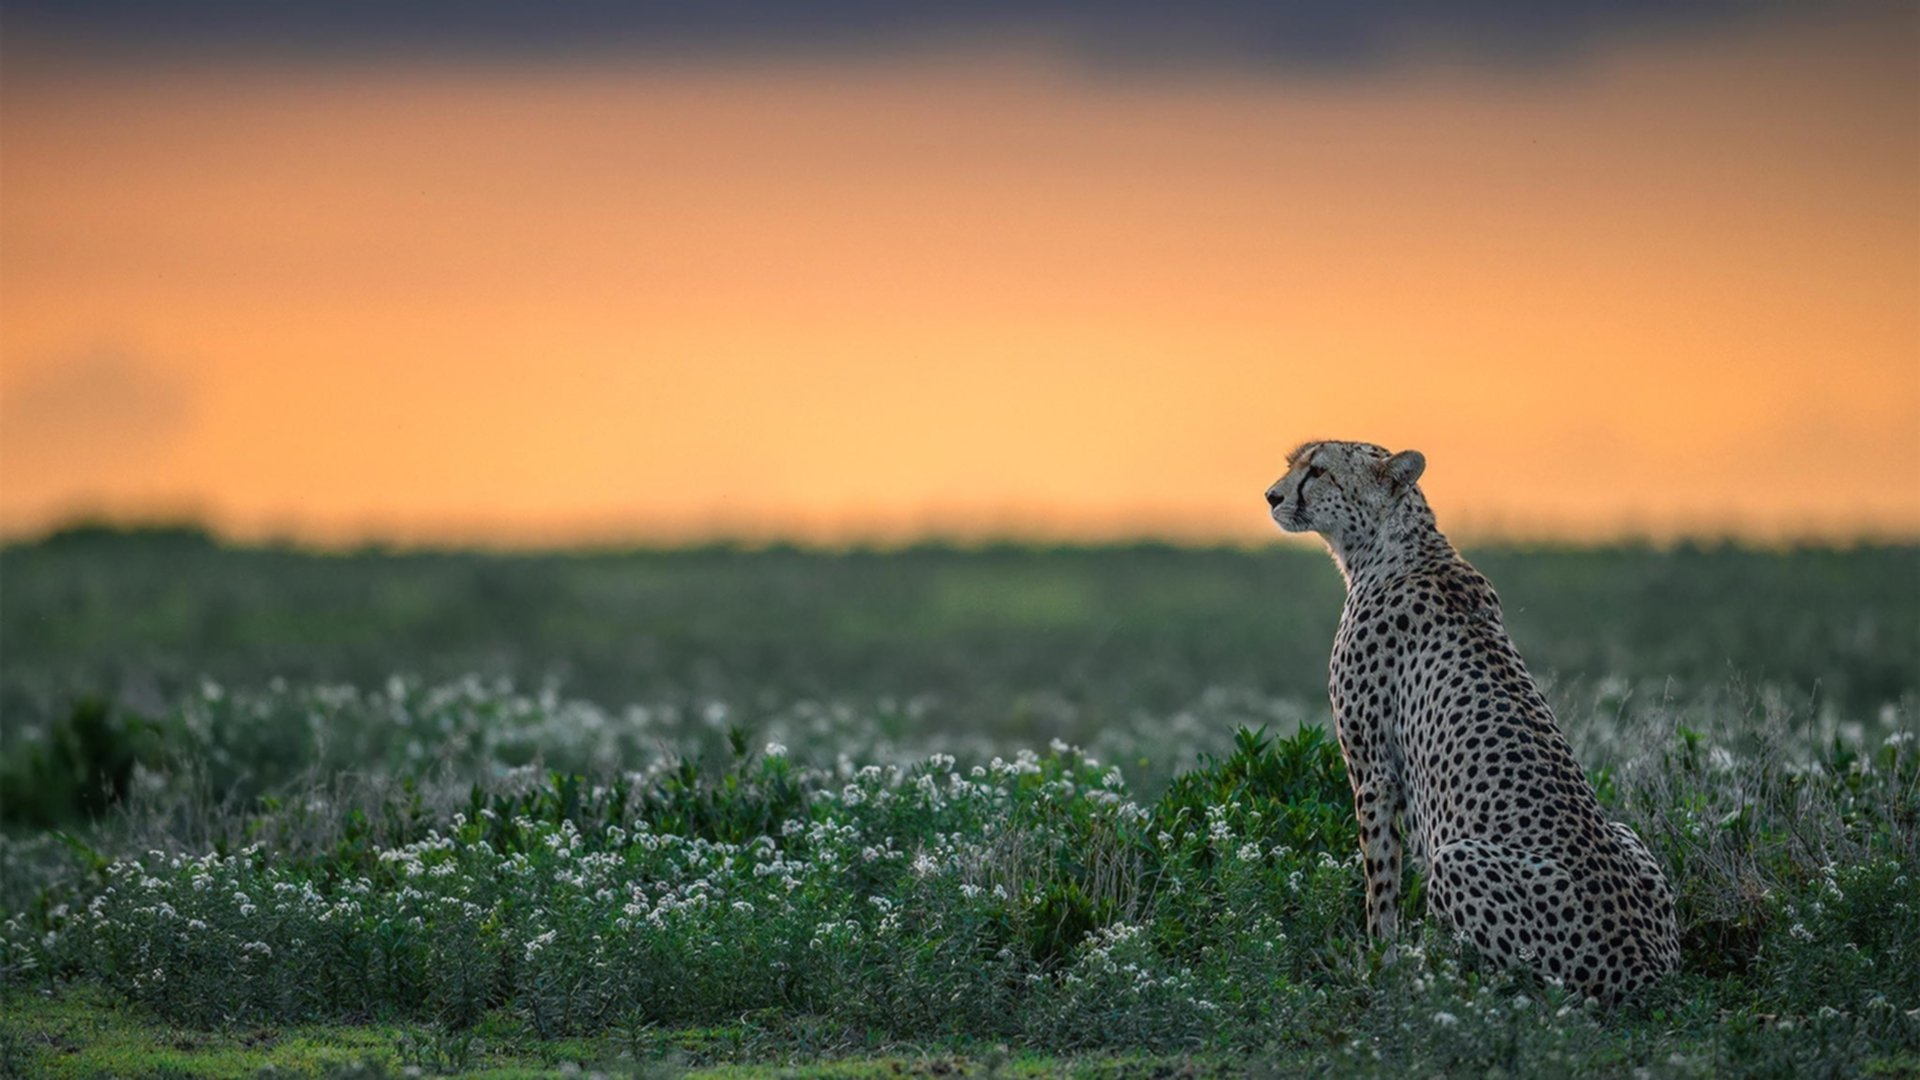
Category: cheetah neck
[1407,537]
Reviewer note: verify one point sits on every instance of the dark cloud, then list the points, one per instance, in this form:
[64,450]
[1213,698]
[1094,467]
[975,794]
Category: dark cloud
[91,413]
[1289,35]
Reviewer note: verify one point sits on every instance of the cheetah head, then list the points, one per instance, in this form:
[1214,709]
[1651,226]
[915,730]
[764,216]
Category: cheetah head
[1342,490]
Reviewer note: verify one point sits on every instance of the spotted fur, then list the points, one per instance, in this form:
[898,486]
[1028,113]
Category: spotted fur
[1450,745]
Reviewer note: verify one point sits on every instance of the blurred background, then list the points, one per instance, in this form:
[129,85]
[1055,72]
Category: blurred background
[524,275]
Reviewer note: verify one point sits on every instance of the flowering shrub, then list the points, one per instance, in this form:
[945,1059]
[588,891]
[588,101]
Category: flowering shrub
[1029,897]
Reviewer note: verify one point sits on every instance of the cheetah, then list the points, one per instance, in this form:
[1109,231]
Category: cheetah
[1443,728]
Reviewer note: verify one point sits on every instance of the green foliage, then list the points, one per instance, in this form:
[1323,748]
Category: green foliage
[1030,899]
[815,830]
[79,770]
[1061,918]
[1292,792]
[734,807]
[995,639]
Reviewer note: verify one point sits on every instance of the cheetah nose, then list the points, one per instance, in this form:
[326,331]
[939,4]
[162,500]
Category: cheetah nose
[1273,498]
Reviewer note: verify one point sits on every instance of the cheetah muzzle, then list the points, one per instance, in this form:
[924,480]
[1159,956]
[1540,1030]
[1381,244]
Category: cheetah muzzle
[1450,746]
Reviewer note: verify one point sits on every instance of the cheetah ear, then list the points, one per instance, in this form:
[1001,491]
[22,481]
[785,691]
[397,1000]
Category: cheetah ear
[1402,469]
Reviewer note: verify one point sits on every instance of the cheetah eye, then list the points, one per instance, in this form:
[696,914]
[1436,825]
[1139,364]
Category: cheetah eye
[1314,471]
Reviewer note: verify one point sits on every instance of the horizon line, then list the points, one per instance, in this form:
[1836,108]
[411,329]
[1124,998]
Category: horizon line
[195,530]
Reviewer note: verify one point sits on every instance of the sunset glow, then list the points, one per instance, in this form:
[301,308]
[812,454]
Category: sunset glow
[1672,287]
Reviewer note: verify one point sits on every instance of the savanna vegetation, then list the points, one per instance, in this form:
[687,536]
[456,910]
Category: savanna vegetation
[1000,811]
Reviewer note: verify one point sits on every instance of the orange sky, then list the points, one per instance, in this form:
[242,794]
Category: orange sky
[1673,288]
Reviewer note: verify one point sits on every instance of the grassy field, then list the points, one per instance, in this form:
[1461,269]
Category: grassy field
[930,812]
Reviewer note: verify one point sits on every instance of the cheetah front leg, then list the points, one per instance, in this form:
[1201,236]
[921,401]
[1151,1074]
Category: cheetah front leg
[1376,801]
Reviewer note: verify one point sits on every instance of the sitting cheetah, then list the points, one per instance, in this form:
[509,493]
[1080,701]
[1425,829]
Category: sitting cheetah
[1441,725]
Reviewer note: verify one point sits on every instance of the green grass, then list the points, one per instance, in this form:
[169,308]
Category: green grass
[784,812]
[995,639]
[87,1035]
[84,1036]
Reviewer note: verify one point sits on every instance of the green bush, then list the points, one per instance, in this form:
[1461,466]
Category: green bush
[78,770]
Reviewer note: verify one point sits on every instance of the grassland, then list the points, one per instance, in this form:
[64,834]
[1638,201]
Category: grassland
[1004,811]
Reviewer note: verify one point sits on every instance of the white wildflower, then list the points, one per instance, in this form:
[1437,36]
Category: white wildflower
[534,945]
